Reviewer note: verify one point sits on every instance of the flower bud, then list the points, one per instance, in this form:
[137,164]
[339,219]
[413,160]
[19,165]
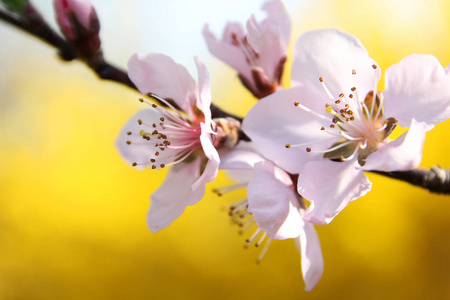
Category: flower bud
[79,23]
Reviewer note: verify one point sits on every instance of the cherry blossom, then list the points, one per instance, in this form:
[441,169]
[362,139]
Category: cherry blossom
[159,136]
[273,205]
[258,55]
[333,123]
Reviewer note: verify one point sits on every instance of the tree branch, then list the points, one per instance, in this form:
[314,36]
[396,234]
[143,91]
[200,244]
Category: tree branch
[36,26]
[436,180]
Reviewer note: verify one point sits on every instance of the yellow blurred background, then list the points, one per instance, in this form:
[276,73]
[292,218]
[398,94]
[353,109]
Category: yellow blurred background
[72,213]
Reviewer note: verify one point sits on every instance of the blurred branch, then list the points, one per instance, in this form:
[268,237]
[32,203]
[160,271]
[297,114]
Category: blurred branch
[435,180]
[35,25]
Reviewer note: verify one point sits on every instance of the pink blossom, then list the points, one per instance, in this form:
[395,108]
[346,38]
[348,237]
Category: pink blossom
[259,54]
[159,137]
[333,124]
[274,205]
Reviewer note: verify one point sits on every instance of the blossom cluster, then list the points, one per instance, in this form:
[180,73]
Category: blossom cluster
[301,151]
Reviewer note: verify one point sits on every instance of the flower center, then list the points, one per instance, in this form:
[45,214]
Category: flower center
[173,137]
[359,125]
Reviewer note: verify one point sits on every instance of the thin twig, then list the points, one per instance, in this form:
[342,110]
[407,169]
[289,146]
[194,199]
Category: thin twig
[436,180]
[36,26]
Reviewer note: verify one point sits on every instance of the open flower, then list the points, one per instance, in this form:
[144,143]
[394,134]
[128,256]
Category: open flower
[334,124]
[274,205]
[159,137]
[258,55]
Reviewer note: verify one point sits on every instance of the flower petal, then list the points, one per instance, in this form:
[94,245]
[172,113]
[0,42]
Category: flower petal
[169,201]
[138,150]
[161,75]
[405,153]
[242,156]
[232,31]
[312,259]
[276,11]
[270,37]
[203,89]
[212,166]
[226,51]
[330,186]
[418,87]
[333,55]
[274,203]
[275,121]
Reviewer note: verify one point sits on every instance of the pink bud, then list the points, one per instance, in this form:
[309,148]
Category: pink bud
[79,23]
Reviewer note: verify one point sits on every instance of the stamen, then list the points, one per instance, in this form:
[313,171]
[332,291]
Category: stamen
[229,188]
[263,251]
[381,128]
[181,159]
[254,235]
[166,103]
[363,146]
[236,209]
[312,112]
[351,156]
[327,91]
[330,149]
[251,58]
[249,222]
[263,237]
[247,225]
[348,137]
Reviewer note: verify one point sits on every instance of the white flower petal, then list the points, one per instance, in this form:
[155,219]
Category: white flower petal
[227,52]
[139,150]
[233,30]
[330,186]
[161,75]
[212,166]
[312,259]
[242,156]
[270,37]
[204,89]
[418,87]
[276,11]
[274,203]
[333,54]
[169,201]
[275,121]
[405,153]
